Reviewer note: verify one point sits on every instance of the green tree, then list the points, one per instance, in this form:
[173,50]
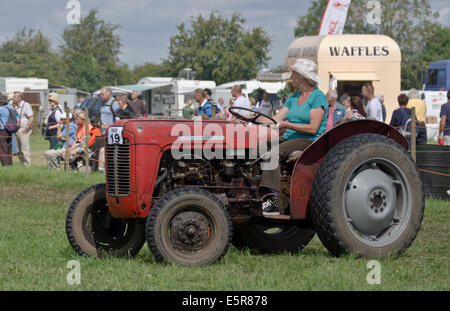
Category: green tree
[437,47]
[218,48]
[409,22]
[29,54]
[148,70]
[91,51]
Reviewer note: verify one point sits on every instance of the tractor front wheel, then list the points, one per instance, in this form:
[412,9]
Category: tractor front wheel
[92,231]
[189,227]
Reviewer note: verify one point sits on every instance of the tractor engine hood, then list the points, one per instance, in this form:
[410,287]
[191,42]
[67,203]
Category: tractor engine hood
[221,134]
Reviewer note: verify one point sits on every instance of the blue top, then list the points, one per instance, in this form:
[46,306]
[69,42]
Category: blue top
[72,134]
[445,111]
[301,114]
[398,117]
[339,113]
[205,109]
[105,112]
[4,116]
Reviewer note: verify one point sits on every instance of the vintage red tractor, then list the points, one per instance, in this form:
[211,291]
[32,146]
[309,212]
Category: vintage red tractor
[355,186]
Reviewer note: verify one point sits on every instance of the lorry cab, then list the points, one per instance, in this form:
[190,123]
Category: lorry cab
[437,78]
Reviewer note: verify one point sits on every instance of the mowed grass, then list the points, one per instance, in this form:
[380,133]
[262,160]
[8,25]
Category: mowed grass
[34,250]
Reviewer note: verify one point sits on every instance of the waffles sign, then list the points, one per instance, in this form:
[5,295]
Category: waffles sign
[363,51]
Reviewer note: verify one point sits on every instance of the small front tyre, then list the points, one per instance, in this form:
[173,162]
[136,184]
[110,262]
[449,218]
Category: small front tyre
[92,231]
[189,227]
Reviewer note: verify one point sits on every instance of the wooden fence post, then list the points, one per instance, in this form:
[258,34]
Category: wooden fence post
[86,139]
[67,156]
[413,133]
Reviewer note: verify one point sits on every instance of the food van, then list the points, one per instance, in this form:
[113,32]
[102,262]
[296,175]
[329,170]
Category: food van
[353,60]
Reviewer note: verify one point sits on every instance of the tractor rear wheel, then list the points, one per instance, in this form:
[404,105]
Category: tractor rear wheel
[367,197]
[268,239]
[92,231]
[189,227]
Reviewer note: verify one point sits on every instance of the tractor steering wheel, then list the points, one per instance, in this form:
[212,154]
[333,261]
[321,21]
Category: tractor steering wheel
[253,119]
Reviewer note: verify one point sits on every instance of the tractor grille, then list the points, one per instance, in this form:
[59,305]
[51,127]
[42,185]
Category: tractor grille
[118,169]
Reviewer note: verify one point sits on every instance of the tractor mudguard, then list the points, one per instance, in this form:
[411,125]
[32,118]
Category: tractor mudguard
[306,166]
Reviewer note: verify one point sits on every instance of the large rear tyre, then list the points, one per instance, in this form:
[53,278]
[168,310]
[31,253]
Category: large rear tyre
[92,231]
[189,227]
[268,239]
[367,197]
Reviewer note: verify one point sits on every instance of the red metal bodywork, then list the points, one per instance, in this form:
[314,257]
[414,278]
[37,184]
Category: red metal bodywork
[149,139]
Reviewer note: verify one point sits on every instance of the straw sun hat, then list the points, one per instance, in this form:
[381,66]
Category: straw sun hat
[306,68]
[54,97]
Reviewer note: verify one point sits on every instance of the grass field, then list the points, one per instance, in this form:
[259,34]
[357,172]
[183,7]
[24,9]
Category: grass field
[34,250]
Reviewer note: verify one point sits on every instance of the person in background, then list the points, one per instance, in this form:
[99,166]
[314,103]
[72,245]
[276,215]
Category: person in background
[125,111]
[227,110]
[13,140]
[346,94]
[109,108]
[346,104]
[81,132]
[356,111]
[383,107]
[374,109]
[421,115]
[444,127]
[240,100]
[265,105]
[5,136]
[81,99]
[336,111]
[107,116]
[25,116]
[399,114]
[252,101]
[53,156]
[221,103]
[208,96]
[222,114]
[205,108]
[137,105]
[188,111]
[52,120]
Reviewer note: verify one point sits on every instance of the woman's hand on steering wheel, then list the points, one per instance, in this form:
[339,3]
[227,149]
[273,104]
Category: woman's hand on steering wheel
[253,119]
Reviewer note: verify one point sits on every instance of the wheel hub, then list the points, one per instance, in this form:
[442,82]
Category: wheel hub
[370,201]
[189,231]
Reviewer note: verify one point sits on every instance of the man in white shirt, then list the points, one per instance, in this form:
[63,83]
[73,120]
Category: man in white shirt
[25,118]
[373,109]
[240,101]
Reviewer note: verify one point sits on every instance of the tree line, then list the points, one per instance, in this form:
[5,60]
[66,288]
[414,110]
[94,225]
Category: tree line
[218,47]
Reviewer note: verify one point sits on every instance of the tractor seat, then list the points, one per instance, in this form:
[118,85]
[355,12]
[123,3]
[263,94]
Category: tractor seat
[293,157]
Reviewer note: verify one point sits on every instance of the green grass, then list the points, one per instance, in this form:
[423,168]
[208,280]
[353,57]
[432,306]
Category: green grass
[34,250]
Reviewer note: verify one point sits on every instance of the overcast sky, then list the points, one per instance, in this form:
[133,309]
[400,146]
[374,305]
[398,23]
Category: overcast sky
[147,25]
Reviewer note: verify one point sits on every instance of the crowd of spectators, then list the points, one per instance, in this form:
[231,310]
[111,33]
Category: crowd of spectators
[349,106]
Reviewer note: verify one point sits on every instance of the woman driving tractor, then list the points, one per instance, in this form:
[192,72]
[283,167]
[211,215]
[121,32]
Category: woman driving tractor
[304,116]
